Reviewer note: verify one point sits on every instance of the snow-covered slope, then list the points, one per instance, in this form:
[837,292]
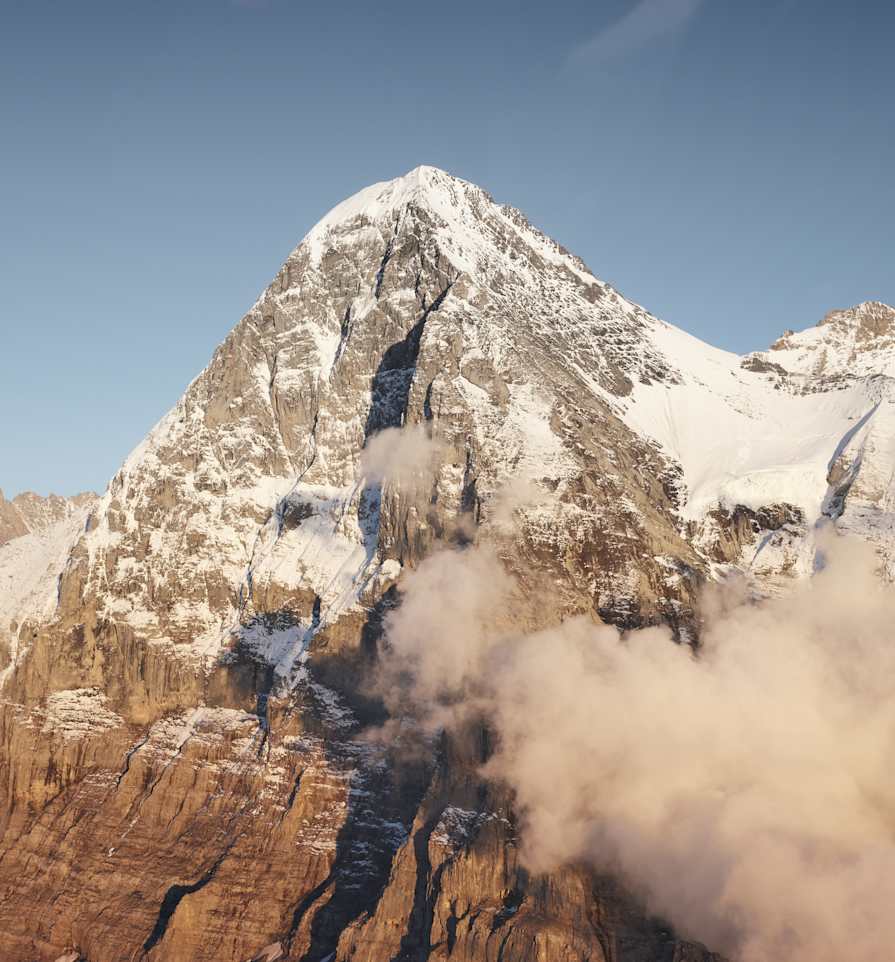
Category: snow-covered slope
[810,424]
[744,437]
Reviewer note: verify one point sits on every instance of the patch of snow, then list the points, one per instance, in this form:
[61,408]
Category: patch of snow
[77,712]
[270,953]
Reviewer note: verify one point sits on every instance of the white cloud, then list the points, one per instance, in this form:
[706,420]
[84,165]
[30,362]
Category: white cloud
[746,792]
[645,23]
[406,456]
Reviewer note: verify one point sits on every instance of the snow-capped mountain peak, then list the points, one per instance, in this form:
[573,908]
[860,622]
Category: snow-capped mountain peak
[214,621]
[855,341]
[873,317]
[464,215]
[421,300]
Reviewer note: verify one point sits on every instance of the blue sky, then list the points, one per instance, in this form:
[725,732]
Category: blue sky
[726,164]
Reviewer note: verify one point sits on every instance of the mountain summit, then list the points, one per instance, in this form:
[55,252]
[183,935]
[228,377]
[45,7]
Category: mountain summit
[857,340]
[186,683]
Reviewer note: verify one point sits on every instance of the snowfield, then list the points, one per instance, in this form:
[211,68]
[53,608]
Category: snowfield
[741,438]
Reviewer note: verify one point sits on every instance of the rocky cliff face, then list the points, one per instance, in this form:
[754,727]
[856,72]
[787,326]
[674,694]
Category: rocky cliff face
[185,774]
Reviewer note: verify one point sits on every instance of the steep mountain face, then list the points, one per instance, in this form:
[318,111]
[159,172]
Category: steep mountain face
[184,772]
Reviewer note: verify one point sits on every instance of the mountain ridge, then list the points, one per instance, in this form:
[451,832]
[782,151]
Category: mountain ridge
[29,512]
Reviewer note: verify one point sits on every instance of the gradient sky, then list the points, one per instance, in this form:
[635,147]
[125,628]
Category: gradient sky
[728,164]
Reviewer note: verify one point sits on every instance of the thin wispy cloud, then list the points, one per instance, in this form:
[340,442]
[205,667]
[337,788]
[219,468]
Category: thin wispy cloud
[645,24]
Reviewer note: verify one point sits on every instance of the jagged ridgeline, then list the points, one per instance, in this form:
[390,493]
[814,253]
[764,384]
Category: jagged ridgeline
[188,661]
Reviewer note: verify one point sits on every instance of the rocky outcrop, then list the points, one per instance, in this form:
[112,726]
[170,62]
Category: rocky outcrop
[41,534]
[12,524]
[732,533]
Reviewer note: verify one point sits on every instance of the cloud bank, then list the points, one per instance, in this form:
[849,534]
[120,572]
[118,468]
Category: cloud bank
[746,794]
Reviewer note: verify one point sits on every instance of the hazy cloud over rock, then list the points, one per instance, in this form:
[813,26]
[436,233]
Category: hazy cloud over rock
[744,791]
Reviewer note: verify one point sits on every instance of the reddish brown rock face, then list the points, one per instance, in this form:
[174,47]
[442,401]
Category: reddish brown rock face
[211,837]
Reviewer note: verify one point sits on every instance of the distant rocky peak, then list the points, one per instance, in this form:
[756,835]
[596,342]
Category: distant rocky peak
[852,342]
[29,513]
[869,320]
